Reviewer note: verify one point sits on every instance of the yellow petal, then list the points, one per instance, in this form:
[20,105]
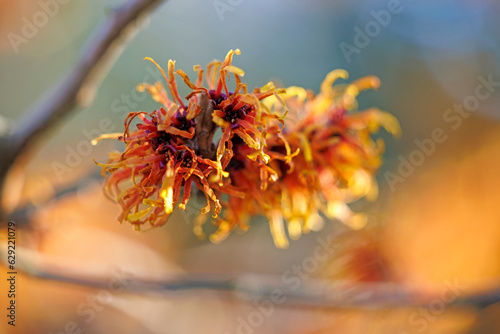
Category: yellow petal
[390,123]
[277,226]
[222,232]
[115,135]
[167,192]
[138,215]
[331,78]
[314,222]
[294,229]
[168,195]
[236,70]
[295,91]
[306,147]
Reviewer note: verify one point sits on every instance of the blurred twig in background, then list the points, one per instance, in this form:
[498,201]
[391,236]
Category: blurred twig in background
[323,293]
[79,86]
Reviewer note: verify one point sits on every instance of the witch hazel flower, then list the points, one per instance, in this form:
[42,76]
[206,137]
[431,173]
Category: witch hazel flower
[158,161]
[288,155]
[237,113]
[323,159]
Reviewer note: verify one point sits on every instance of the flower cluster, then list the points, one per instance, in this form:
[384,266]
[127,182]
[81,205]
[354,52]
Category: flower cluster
[288,155]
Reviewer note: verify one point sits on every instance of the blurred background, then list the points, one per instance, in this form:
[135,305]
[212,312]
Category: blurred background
[435,226]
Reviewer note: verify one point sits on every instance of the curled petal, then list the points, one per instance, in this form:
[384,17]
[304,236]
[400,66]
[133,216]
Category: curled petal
[331,78]
[106,136]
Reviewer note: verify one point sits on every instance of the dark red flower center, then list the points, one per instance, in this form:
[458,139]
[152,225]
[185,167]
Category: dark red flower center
[182,123]
[232,115]
[187,162]
[160,140]
[238,161]
[217,98]
[185,157]
[282,165]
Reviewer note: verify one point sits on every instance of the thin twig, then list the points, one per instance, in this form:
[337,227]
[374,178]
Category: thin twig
[79,86]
